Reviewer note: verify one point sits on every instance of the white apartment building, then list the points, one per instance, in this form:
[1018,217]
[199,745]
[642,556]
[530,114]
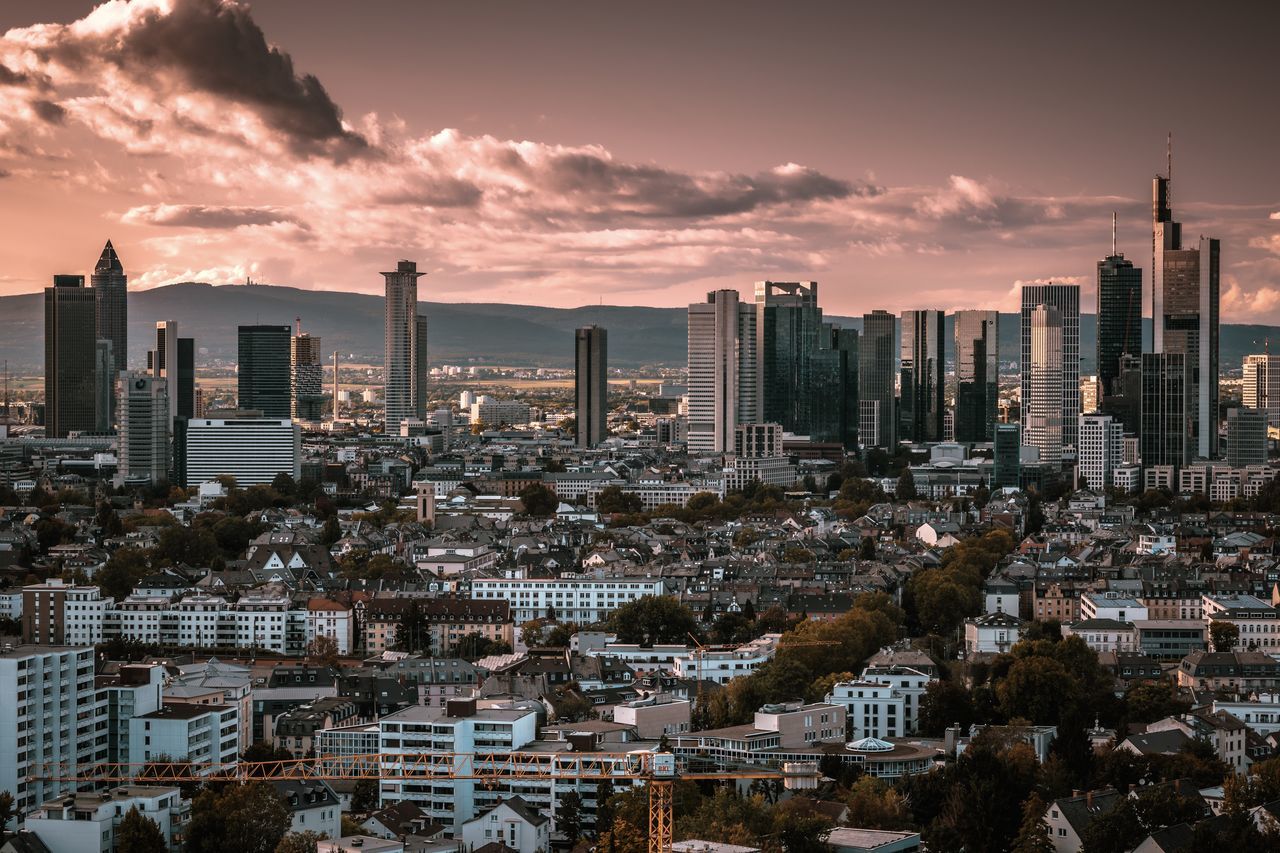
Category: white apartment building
[871,709]
[61,613]
[1101,449]
[492,413]
[722,665]
[210,621]
[656,493]
[1112,605]
[768,470]
[642,660]
[994,633]
[88,821]
[52,714]
[332,619]
[201,734]
[1255,619]
[1105,635]
[144,428]
[253,450]
[906,682]
[581,600]
[511,823]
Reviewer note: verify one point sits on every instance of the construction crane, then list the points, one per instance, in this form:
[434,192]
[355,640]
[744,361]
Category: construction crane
[699,650]
[659,770]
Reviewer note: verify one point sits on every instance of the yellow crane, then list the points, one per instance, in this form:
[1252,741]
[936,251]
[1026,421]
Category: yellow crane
[659,770]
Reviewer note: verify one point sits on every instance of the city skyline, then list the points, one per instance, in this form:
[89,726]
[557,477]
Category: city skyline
[530,201]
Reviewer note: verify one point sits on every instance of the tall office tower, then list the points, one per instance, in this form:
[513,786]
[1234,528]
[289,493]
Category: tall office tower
[1101,450]
[400,364]
[833,387]
[591,380]
[251,449]
[1246,437]
[1262,385]
[70,392]
[422,371]
[144,428]
[722,370]
[186,378]
[306,376]
[1124,403]
[110,291]
[1065,298]
[1184,310]
[788,322]
[264,370]
[977,374]
[1165,436]
[923,372]
[1042,408]
[104,383]
[1119,316]
[174,359]
[878,419]
[1007,470]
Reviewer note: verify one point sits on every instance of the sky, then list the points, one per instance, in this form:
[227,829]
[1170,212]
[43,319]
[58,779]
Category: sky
[904,155]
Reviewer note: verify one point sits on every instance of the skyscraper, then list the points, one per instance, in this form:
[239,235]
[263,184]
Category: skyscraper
[162,362]
[1065,298]
[591,381]
[1184,309]
[1246,437]
[1007,470]
[400,338]
[1101,450]
[422,368]
[1119,317]
[104,376]
[1125,400]
[877,411]
[263,372]
[1042,408]
[1165,437]
[306,376]
[722,370]
[70,343]
[1262,385]
[833,394]
[144,428]
[977,374]
[788,322]
[110,291]
[922,375]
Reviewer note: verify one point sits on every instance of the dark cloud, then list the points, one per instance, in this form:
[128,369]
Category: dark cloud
[205,216]
[432,191]
[49,111]
[9,77]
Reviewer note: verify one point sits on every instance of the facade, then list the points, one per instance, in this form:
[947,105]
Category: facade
[263,373]
[421,365]
[995,633]
[1007,472]
[1184,306]
[922,376]
[104,386]
[201,734]
[872,709]
[591,384]
[877,412]
[1119,319]
[584,600]
[833,387]
[1101,450]
[306,380]
[1246,437]
[253,450]
[70,363]
[1124,401]
[722,370]
[1166,427]
[1065,298]
[144,428]
[88,821]
[787,325]
[1043,387]
[110,291]
[977,375]
[57,613]
[512,824]
[173,360]
[1261,389]
[401,328]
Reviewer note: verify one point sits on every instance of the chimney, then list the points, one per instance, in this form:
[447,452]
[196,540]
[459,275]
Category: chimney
[1088,800]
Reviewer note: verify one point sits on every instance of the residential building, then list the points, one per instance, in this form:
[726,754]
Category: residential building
[1112,605]
[206,735]
[59,613]
[1068,818]
[655,716]
[581,600]
[312,806]
[1257,621]
[511,823]
[994,633]
[591,384]
[253,450]
[331,619]
[401,345]
[88,821]
[70,357]
[1059,344]
[722,370]
[872,709]
[977,351]
[922,376]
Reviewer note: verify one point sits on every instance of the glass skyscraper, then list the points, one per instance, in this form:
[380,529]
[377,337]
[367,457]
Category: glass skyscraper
[1165,438]
[1066,299]
[110,291]
[263,373]
[923,375]
[788,321]
[70,355]
[591,384]
[977,374]
[877,412]
[1119,318]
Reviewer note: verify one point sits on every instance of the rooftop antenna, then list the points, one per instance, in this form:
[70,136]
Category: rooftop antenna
[1168,156]
[1113,233]
[297,324]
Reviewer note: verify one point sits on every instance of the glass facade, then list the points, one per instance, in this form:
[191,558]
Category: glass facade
[922,376]
[878,426]
[1119,318]
[1165,435]
[977,374]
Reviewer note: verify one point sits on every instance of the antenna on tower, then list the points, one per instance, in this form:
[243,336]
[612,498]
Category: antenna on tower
[297,325]
[1113,233]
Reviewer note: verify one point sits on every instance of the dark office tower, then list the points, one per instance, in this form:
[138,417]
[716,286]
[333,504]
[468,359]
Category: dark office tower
[977,374]
[70,355]
[832,405]
[306,376]
[1119,316]
[787,325]
[1246,437]
[174,359]
[923,375]
[104,385]
[1066,298]
[1125,401]
[591,379]
[264,370]
[877,414]
[111,309]
[422,368]
[1165,438]
[1007,473]
[186,377]
[1184,312]
[400,339]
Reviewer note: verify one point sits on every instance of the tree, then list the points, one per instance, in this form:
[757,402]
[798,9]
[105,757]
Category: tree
[300,842]
[413,631]
[285,485]
[749,610]
[1115,831]
[867,548]
[569,816]
[1224,635]
[906,488]
[1033,835]
[189,545]
[364,796]
[324,649]
[1148,701]
[538,500]
[6,810]
[249,818]
[125,568]
[261,750]
[874,805]
[653,619]
[611,499]
[332,531]
[138,833]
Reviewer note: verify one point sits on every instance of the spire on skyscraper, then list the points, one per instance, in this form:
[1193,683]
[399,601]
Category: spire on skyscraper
[108,261]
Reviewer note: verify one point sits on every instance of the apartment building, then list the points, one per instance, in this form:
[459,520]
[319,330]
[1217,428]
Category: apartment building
[722,665]
[1255,619]
[582,600]
[87,821]
[201,734]
[58,613]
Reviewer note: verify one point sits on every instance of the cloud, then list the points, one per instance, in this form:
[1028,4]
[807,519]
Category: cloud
[203,216]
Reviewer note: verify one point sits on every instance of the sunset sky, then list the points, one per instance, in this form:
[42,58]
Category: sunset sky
[904,155]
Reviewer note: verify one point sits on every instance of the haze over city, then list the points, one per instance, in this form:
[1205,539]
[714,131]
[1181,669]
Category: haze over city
[572,154]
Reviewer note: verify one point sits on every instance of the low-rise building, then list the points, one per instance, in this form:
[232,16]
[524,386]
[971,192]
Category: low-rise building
[87,821]
[994,633]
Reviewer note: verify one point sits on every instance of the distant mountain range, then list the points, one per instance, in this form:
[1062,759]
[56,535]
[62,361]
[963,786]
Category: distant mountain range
[460,333]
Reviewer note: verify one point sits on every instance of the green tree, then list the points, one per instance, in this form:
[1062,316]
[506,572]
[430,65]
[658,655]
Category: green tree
[867,547]
[285,485]
[300,842]
[248,818]
[364,796]
[653,619]
[187,545]
[331,532]
[1117,830]
[138,833]
[124,568]
[6,810]
[1033,835]
[413,629]
[1223,635]
[1148,701]
[611,499]
[569,816]
[874,805]
[538,500]
[905,490]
